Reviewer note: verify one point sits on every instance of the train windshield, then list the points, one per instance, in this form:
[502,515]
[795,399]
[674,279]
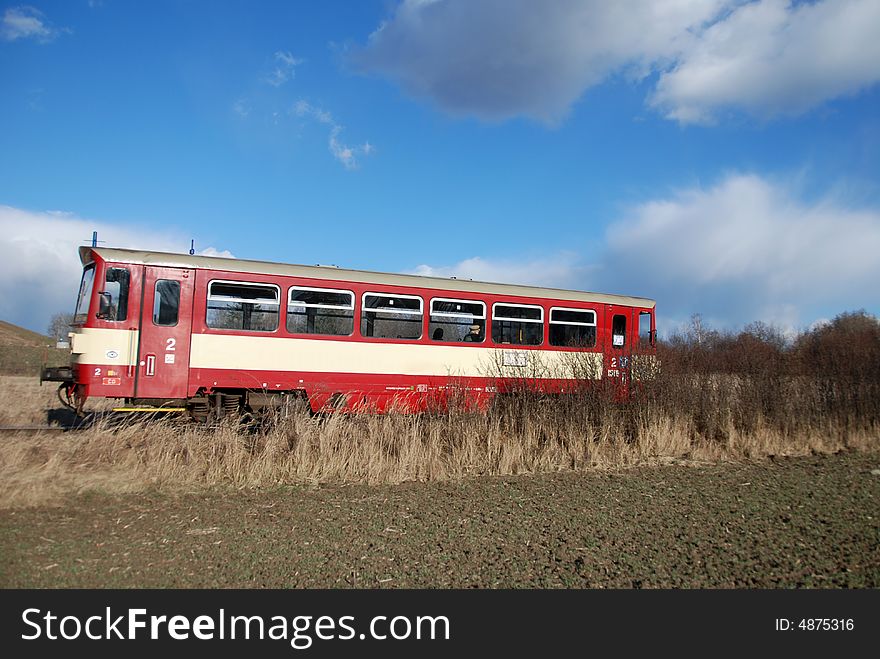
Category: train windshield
[85,294]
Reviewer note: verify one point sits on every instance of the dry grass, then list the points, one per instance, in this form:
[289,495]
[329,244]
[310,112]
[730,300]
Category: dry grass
[525,434]
[25,401]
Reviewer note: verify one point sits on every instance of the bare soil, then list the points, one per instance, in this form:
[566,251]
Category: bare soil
[782,523]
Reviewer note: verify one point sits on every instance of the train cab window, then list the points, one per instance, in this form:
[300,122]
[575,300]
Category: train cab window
[572,327]
[646,338]
[452,320]
[239,305]
[85,294]
[166,302]
[320,311]
[517,324]
[390,316]
[113,300]
[618,331]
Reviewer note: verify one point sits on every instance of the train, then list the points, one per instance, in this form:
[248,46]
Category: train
[207,336]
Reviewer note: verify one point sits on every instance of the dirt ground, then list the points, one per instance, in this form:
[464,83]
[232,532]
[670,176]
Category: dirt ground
[790,522]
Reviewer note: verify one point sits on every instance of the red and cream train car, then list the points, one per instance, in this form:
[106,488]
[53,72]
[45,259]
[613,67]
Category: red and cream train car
[205,333]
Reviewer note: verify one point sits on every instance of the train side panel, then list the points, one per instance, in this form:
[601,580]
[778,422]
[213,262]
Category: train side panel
[160,332]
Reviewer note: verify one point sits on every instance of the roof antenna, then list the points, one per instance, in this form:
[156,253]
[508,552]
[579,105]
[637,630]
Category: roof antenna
[192,246]
[95,240]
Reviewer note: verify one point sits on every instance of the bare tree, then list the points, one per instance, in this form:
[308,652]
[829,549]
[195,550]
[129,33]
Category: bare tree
[60,325]
[698,334]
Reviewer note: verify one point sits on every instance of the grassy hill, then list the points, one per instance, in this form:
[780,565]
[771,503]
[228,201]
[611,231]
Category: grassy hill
[23,352]
[13,335]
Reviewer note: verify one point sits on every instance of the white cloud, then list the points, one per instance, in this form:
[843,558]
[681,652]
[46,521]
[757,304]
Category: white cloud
[559,270]
[747,248]
[347,155]
[25,22]
[213,251]
[744,249]
[241,108]
[503,58]
[41,267]
[305,109]
[285,64]
[774,57]
[284,68]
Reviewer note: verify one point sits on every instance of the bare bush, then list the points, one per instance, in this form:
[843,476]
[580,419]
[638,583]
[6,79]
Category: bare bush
[826,379]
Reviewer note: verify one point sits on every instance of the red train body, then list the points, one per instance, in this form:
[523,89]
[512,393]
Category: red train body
[205,333]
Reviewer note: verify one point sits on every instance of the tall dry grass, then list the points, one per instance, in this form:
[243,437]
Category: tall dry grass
[732,398]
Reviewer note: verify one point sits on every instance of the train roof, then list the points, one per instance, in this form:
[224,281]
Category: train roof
[167,259]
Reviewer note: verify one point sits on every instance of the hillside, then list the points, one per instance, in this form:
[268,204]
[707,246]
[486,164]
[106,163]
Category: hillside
[23,352]
[13,335]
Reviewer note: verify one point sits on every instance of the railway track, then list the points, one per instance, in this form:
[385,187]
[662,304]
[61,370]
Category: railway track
[79,424]
[114,418]
[14,429]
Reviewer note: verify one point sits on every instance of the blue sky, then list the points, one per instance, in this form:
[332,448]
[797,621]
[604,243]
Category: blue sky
[719,156]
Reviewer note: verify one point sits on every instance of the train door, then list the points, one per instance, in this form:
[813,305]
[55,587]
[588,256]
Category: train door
[644,362]
[644,332]
[166,326]
[618,345]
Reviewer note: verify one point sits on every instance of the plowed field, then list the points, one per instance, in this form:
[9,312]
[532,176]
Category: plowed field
[793,522]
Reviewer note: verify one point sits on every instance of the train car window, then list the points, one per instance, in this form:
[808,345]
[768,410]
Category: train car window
[645,336]
[517,324]
[572,327]
[114,297]
[391,316]
[618,331]
[242,305]
[320,311]
[454,320]
[166,303]
[85,294]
